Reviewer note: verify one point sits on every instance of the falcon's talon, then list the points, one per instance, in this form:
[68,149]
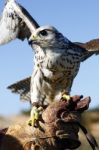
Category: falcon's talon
[31,122]
[66,97]
[34,116]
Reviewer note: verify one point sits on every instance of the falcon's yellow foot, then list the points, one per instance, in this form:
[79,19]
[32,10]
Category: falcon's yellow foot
[66,97]
[34,115]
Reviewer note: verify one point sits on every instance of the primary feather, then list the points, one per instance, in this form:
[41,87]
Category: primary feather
[15,22]
[22,88]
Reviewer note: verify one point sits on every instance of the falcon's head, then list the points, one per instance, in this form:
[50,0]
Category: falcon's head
[48,37]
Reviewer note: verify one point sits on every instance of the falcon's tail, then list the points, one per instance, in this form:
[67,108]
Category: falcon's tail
[22,88]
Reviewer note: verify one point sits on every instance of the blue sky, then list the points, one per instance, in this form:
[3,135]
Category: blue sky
[78,20]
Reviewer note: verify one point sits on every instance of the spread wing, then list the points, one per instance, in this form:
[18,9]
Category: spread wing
[22,88]
[91,47]
[15,22]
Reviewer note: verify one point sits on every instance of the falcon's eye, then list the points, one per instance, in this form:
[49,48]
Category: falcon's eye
[43,33]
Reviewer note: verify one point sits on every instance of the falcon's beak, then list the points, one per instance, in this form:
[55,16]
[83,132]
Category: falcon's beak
[32,40]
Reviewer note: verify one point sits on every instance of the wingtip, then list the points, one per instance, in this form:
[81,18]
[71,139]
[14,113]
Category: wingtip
[7,1]
[10,0]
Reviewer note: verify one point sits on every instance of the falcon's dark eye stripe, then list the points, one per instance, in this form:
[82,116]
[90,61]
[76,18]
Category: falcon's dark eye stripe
[43,33]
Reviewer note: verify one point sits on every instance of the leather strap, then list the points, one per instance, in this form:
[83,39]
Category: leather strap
[89,138]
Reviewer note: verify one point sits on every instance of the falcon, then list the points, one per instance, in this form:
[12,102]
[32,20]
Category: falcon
[57,62]
[57,59]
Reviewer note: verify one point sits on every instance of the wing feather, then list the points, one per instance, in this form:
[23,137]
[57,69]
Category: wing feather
[22,88]
[90,46]
[15,22]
